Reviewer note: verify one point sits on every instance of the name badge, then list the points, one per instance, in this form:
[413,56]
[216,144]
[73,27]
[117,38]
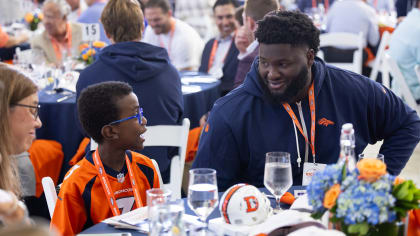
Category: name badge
[309,170]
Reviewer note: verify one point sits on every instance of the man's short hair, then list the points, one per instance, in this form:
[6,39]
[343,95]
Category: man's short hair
[288,27]
[63,6]
[123,20]
[97,106]
[257,9]
[162,4]
[234,3]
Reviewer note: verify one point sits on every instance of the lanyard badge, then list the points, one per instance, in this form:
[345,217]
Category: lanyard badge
[107,186]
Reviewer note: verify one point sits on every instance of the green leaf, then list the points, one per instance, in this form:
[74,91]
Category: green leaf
[317,215]
[360,228]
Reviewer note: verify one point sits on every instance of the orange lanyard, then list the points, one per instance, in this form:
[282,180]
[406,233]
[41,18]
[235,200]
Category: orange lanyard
[57,46]
[213,52]
[297,123]
[107,186]
[171,36]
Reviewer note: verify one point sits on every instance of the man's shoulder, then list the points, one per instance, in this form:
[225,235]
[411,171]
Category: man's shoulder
[235,100]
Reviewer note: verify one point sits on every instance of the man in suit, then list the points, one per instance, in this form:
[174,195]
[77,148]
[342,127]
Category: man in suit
[220,53]
[60,36]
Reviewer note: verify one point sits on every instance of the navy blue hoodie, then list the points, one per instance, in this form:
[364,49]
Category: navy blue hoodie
[154,79]
[244,126]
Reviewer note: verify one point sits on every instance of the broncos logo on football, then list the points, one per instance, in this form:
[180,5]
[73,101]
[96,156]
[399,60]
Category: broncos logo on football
[251,203]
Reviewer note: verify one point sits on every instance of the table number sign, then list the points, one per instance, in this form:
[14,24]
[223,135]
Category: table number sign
[90,32]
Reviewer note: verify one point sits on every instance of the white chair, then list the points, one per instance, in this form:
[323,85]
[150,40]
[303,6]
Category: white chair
[171,136]
[405,91]
[345,41]
[50,193]
[155,164]
[417,69]
[378,63]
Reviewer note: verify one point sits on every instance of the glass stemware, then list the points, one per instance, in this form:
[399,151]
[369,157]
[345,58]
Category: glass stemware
[278,175]
[203,196]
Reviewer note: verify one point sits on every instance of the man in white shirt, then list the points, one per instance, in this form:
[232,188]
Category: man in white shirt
[180,40]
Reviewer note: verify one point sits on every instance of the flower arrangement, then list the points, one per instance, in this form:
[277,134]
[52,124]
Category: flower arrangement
[88,53]
[33,19]
[366,201]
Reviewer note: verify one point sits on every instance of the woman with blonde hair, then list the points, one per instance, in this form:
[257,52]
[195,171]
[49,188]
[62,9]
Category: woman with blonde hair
[18,120]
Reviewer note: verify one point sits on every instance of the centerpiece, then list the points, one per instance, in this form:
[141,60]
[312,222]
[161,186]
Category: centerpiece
[88,52]
[364,201]
[33,19]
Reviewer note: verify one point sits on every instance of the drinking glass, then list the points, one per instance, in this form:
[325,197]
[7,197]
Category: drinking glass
[166,219]
[202,196]
[156,196]
[378,156]
[278,175]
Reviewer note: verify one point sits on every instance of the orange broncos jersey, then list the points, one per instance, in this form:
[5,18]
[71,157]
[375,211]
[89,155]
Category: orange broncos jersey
[82,201]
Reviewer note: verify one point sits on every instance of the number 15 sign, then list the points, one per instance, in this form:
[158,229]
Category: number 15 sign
[90,32]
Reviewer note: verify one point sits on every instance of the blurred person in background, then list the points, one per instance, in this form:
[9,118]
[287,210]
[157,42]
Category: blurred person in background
[77,7]
[181,41]
[254,10]
[404,47]
[220,54]
[60,38]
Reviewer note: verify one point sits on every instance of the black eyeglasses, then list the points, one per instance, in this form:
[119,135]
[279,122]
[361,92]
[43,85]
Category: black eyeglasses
[139,117]
[33,109]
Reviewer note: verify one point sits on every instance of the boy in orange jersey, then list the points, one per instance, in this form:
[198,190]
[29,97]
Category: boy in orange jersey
[110,114]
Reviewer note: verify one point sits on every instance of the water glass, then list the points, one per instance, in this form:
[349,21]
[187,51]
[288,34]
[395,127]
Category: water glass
[156,196]
[203,196]
[278,175]
[378,156]
[166,219]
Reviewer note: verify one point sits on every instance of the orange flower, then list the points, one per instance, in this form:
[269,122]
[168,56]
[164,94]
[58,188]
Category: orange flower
[98,44]
[41,16]
[83,46]
[29,17]
[398,180]
[331,196]
[371,169]
[85,57]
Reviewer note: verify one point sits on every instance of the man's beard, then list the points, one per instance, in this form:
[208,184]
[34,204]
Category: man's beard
[292,90]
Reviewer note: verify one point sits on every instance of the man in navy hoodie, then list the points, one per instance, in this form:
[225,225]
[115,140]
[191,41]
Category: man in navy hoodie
[146,68]
[284,80]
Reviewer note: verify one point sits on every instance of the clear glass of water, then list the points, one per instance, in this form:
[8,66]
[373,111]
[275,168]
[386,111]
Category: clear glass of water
[278,175]
[166,219]
[203,196]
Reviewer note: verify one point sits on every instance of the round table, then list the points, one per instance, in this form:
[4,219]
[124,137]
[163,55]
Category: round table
[103,228]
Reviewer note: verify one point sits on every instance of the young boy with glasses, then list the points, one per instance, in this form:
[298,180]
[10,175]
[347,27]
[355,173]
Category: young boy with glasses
[112,179]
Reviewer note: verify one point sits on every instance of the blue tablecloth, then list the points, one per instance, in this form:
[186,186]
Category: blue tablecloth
[59,121]
[104,228]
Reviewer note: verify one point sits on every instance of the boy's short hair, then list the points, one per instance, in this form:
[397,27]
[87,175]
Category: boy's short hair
[123,20]
[97,106]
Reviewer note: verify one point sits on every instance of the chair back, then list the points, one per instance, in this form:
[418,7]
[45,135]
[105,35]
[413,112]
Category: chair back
[344,40]
[396,74]
[50,193]
[379,59]
[172,136]
[155,164]
[417,69]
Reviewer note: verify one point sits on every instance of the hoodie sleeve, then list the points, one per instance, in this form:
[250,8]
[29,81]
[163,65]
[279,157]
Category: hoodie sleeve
[218,150]
[394,122]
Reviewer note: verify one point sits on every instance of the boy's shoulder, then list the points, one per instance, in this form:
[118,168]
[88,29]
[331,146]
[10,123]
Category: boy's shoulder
[79,175]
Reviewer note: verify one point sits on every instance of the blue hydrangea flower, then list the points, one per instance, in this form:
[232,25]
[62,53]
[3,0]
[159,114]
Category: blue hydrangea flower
[321,182]
[362,201]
